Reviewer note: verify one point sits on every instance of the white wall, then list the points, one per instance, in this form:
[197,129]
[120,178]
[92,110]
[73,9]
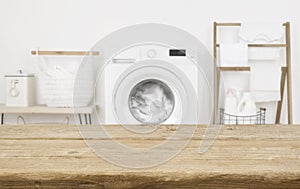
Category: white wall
[78,24]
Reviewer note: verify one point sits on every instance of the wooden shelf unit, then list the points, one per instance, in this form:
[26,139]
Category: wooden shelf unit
[286,72]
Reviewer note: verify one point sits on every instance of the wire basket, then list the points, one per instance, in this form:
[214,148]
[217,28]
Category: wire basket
[258,119]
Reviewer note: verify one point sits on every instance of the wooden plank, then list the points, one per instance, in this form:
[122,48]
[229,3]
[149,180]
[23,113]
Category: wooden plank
[44,110]
[216,75]
[69,132]
[55,156]
[282,86]
[234,24]
[65,53]
[235,68]
[228,24]
[264,45]
[289,73]
[267,45]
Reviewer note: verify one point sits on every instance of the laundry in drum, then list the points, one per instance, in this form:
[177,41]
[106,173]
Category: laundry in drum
[151,101]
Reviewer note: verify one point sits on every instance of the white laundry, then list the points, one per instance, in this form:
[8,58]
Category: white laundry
[65,87]
[258,53]
[262,33]
[265,81]
[151,103]
[59,72]
[235,54]
[265,96]
[269,32]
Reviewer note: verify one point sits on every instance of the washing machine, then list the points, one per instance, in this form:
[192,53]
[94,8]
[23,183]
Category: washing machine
[150,84]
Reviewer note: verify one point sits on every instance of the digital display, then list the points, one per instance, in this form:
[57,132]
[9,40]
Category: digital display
[177,52]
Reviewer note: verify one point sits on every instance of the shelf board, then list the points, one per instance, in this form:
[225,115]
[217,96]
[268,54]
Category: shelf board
[44,110]
[234,68]
[233,24]
[263,45]
[66,53]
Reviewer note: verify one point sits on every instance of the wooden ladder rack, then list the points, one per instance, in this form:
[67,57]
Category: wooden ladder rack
[285,71]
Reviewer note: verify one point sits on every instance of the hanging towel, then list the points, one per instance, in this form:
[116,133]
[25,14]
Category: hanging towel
[262,33]
[235,54]
[265,81]
[268,32]
[267,53]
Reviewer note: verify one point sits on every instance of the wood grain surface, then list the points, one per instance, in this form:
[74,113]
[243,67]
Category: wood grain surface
[56,156]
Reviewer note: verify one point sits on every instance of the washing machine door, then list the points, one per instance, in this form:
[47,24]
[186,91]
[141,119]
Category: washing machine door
[154,92]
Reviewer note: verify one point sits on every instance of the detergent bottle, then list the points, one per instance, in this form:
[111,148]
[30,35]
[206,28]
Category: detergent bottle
[230,106]
[246,107]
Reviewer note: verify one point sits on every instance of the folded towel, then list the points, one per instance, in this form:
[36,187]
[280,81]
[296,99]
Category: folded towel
[268,32]
[265,96]
[265,81]
[256,53]
[262,33]
[235,54]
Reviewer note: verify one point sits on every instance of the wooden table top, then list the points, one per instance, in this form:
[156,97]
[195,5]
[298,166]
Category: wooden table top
[56,156]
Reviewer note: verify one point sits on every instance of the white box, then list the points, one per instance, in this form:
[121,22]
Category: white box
[20,90]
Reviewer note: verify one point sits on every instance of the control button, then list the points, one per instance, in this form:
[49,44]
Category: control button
[14,92]
[151,53]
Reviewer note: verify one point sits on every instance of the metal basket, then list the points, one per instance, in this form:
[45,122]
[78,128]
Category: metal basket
[258,119]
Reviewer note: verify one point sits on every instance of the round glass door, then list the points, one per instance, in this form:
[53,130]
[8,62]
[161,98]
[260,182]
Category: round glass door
[151,101]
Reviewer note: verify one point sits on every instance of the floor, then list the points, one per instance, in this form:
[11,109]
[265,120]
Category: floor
[56,156]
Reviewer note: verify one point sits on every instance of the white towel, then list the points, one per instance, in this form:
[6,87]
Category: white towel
[265,81]
[265,96]
[235,54]
[262,33]
[269,32]
[264,53]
